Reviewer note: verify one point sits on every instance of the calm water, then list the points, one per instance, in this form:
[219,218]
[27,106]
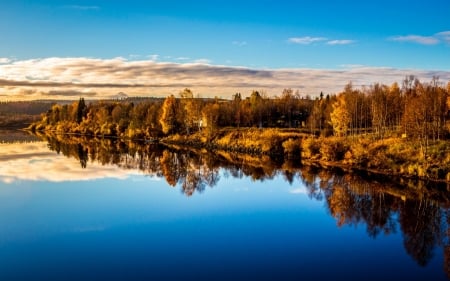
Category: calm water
[80,209]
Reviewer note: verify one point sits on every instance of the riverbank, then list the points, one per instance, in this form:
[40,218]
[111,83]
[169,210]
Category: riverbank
[276,143]
[391,157]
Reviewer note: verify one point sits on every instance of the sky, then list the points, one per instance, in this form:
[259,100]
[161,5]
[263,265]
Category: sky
[100,49]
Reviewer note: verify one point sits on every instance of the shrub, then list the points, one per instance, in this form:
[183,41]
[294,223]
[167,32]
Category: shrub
[333,149]
[272,144]
[310,148]
[359,153]
[291,148]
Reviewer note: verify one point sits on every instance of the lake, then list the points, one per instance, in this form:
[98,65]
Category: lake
[73,208]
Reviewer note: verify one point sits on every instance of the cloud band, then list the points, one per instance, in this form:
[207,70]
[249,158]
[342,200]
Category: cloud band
[103,78]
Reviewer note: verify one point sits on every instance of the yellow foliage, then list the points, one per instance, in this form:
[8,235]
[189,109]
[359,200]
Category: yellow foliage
[340,117]
[291,147]
[310,148]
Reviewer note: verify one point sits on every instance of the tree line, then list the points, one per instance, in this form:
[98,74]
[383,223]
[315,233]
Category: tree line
[183,115]
[414,110]
[19,114]
[10,108]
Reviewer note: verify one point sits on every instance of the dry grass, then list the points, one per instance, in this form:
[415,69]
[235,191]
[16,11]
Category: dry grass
[393,155]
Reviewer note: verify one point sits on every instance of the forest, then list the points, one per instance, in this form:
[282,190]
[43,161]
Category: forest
[183,115]
[415,110]
[396,129]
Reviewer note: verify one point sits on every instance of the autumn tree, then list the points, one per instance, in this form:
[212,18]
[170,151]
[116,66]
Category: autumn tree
[340,118]
[152,124]
[168,118]
[396,106]
[288,101]
[190,111]
[236,101]
[438,98]
[357,108]
[425,112]
[256,103]
[380,108]
[319,116]
[186,94]
[210,116]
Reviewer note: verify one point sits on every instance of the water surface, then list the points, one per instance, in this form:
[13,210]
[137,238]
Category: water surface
[80,209]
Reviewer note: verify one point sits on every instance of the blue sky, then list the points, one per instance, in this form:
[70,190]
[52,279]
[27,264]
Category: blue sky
[261,35]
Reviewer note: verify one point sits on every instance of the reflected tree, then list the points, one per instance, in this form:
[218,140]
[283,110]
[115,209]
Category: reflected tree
[447,242]
[421,225]
[82,155]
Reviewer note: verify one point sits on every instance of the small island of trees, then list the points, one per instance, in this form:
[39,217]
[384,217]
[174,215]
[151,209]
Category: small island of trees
[392,129]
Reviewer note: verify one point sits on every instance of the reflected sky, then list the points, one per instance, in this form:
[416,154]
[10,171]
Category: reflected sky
[33,161]
[62,221]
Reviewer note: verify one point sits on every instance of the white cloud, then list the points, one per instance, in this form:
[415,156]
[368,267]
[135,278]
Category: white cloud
[435,39]
[305,40]
[5,60]
[340,42]
[65,78]
[423,40]
[153,57]
[353,65]
[202,61]
[444,36]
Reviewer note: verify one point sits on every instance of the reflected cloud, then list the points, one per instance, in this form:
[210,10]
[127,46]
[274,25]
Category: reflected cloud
[34,162]
[299,190]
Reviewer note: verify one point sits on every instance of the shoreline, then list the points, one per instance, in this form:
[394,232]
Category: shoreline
[288,144]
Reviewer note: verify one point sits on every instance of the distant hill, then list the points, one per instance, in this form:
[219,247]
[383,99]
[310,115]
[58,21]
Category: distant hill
[25,107]
[19,114]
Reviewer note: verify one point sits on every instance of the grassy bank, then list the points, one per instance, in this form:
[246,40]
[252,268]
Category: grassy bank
[393,156]
[271,142]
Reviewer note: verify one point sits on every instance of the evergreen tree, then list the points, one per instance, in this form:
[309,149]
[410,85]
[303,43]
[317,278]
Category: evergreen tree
[81,110]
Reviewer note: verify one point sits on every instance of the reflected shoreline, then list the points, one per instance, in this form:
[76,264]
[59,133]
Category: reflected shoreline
[151,158]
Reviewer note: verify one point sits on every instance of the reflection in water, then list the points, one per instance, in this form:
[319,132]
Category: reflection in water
[15,136]
[418,210]
[422,215]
